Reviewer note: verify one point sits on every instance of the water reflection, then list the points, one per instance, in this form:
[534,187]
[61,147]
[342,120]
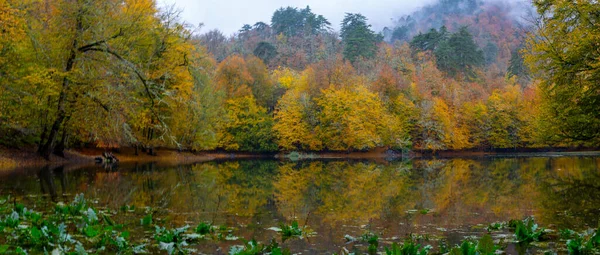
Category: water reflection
[336,198]
[47,177]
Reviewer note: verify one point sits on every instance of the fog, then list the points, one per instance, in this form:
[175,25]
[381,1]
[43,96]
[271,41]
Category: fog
[230,15]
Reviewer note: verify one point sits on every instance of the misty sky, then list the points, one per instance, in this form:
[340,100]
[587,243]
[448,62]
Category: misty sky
[230,15]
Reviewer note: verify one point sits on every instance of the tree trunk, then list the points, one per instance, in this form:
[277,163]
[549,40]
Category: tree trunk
[42,138]
[45,124]
[60,148]
[48,147]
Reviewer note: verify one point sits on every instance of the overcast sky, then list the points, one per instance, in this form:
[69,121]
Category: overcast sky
[230,15]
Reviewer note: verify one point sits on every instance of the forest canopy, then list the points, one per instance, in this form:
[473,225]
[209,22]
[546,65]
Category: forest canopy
[126,73]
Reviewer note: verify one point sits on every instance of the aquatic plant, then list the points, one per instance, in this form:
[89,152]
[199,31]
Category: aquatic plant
[76,208]
[496,226]
[466,248]
[204,228]
[249,248]
[585,243]
[485,246]
[80,228]
[4,249]
[224,233]
[566,233]
[289,231]
[11,221]
[253,247]
[409,247]
[128,208]
[26,231]
[147,220]
[527,230]
[370,238]
[443,247]
[373,244]
[172,240]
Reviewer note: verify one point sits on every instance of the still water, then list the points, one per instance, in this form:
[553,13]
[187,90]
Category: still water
[441,198]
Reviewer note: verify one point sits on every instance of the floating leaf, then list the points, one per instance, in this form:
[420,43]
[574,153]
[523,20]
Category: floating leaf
[91,215]
[486,245]
[169,247]
[147,220]
[80,250]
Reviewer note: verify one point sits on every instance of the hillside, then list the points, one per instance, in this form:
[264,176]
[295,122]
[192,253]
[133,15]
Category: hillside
[451,76]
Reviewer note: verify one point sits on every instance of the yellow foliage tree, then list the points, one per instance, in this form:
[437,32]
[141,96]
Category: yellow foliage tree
[504,117]
[475,117]
[292,127]
[354,118]
[246,127]
[438,129]
[512,119]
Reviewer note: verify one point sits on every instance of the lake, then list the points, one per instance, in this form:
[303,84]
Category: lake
[336,200]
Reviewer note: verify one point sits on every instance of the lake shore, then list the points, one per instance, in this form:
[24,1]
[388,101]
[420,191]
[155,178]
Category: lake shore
[11,158]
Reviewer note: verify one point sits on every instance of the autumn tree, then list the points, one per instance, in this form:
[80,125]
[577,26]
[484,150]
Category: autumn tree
[475,118]
[388,83]
[83,29]
[13,30]
[215,43]
[334,71]
[12,121]
[438,128]
[127,73]
[196,120]
[354,118]
[293,127]
[563,53]
[233,77]
[262,86]
[246,126]
[109,73]
[513,117]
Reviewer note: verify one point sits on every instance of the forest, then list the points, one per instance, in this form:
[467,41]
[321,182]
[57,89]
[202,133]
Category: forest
[454,75]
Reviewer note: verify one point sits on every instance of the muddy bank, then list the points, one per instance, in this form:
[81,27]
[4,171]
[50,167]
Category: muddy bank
[512,152]
[387,154]
[11,159]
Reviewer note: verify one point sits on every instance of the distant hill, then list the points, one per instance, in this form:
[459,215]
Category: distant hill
[497,26]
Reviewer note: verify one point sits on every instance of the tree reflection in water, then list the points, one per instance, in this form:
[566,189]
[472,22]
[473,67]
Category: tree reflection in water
[46,178]
[443,197]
